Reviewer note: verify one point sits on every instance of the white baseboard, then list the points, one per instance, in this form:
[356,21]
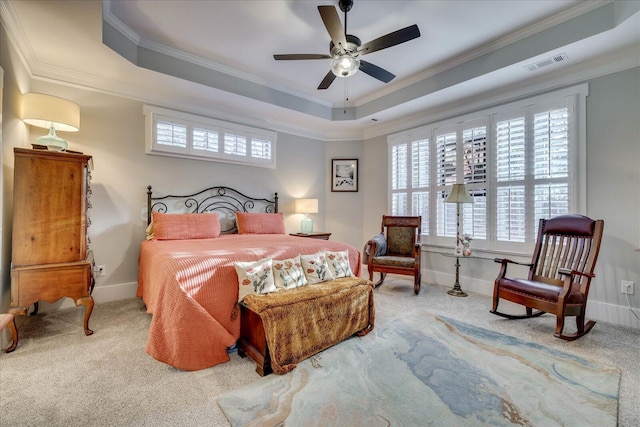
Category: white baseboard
[596,310]
[613,314]
[100,294]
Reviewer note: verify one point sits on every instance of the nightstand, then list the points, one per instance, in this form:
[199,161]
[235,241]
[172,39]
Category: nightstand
[322,236]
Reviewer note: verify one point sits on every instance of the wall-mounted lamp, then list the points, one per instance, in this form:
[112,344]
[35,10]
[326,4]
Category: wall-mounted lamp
[306,206]
[53,113]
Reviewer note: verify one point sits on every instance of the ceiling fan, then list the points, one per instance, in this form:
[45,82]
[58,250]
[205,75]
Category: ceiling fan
[346,49]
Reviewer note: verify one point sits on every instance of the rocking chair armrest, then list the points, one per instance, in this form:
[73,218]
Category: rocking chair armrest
[508,261]
[569,272]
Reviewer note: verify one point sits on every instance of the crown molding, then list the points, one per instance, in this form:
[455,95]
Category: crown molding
[160,48]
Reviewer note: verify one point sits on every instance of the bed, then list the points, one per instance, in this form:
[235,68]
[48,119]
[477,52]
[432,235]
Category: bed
[187,278]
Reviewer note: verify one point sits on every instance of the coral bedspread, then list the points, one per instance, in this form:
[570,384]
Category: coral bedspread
[191,289]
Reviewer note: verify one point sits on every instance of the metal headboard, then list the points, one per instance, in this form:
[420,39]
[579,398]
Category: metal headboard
[223,200]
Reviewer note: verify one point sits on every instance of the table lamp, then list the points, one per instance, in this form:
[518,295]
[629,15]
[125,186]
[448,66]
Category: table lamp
[53,113]
[306,206]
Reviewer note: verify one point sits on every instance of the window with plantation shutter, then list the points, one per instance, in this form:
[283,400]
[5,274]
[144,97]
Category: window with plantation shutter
[205,139]
[519,163]
[410,177]
[261,148]
[447,159]
[235,145]
[173,133]
[399,175]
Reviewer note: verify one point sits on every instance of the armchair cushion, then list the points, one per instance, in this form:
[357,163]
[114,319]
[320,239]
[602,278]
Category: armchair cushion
[541,290]
[401,240]
[395,261]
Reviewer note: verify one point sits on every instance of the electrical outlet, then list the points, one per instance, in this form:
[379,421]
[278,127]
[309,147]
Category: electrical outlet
[627,287]
[100,270]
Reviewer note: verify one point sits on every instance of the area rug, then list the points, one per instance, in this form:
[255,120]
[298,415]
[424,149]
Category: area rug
[422,370]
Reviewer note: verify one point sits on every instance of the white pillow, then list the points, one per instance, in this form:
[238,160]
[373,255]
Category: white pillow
[339,263]
[288,273]
[255,277]
[316,268]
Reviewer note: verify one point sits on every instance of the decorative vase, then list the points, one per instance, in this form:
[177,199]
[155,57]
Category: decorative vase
[466,251]
[458,251]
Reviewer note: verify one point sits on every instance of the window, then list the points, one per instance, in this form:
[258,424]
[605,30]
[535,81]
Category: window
[172,133]
[519,162]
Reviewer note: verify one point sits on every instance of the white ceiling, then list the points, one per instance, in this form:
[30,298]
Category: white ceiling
[216,57]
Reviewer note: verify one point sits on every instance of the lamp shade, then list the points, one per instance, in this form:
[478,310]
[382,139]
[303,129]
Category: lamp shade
[48,111]
[459,194]
[306,206]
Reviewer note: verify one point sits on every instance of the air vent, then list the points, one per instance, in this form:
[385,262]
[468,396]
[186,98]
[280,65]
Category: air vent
[553,60]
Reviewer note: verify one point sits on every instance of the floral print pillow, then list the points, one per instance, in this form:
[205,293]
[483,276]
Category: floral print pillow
[288,273]
[255,277]
[316,268]
[339,264]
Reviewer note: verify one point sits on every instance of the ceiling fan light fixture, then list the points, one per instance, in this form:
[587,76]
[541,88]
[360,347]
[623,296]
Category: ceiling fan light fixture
[345,66]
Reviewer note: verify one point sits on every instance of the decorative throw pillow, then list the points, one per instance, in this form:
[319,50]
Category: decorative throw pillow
[316,268]
[185,226]
[260,223]
[288,273]
[339,263]
[255,277]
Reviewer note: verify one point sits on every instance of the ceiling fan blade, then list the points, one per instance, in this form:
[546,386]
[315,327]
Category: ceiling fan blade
[404,35]
[296,56]
[376,72]
[332,22]
[328,79]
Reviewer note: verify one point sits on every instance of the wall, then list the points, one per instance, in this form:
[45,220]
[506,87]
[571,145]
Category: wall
[344,209]
[613,194]
[613,185]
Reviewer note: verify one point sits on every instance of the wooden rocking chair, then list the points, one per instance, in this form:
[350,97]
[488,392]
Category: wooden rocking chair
[397,250]
[560,273]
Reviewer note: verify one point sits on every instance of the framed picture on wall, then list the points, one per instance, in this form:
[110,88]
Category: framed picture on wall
[344,175]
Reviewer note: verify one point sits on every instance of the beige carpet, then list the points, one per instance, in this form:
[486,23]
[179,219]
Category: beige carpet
[58,376]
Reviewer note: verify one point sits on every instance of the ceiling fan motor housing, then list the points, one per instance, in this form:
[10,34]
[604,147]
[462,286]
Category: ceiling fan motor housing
[345,5]
[353,43]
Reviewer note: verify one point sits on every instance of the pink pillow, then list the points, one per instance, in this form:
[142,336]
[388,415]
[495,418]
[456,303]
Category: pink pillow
[260,223]
[185,226]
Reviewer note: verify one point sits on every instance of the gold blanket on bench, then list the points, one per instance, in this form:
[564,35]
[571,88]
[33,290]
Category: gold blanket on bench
[301,322]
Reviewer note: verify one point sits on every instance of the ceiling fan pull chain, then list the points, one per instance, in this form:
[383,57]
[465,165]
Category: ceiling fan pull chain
[346,94]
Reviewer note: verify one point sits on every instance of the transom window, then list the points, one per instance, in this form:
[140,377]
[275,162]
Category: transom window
[173,133]
[519,162]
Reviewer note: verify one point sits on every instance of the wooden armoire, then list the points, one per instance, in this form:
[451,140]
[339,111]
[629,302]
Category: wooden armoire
[50,250]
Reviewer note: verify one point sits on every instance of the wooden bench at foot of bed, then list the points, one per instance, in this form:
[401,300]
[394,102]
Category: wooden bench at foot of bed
[281,329]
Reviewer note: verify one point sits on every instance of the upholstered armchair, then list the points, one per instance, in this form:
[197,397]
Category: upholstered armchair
[396,249]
